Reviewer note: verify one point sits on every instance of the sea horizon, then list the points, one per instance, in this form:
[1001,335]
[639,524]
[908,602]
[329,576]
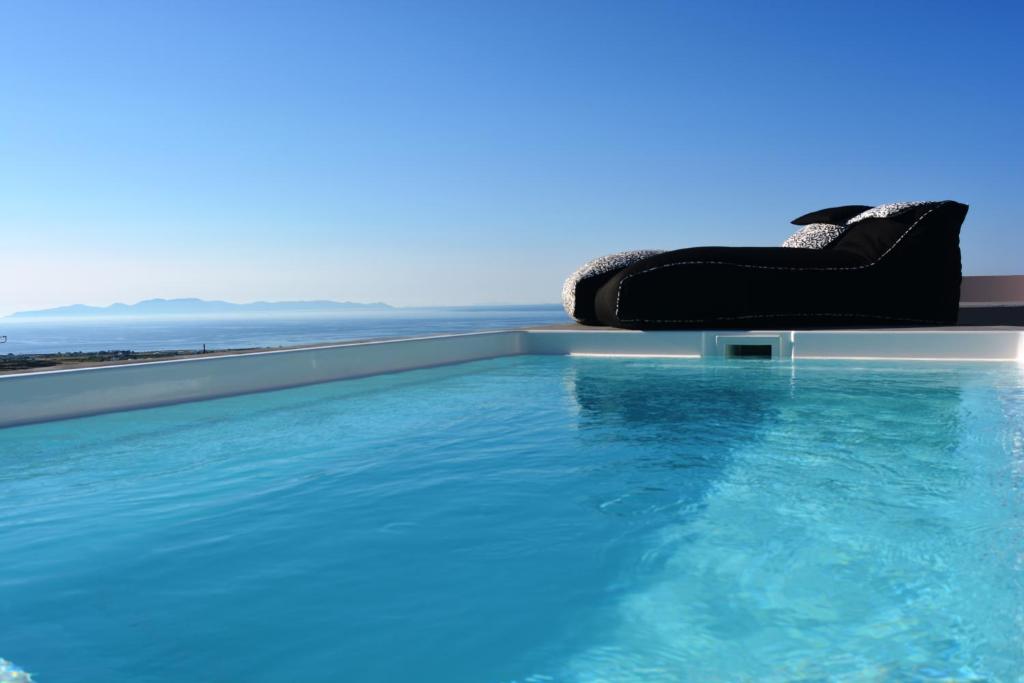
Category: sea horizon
[46,335]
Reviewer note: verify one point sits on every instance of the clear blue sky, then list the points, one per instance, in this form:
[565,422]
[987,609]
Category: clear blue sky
[476,152]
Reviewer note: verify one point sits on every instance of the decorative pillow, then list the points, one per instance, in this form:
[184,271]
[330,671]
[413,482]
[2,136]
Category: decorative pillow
[592,275]
[837,215]
[888,211]
[814,236]
[819,235]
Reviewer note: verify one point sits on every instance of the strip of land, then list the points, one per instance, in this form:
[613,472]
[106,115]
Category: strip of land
[37,362]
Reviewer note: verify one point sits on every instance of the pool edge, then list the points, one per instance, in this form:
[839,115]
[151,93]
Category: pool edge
[61,394]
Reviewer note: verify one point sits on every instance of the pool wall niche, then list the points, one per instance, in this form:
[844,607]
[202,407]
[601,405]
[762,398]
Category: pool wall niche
[59,394]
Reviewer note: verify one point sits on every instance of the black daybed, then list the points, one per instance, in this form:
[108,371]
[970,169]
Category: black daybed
[894,264]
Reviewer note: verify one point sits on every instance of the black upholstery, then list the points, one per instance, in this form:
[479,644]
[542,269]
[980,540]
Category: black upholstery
[901,270]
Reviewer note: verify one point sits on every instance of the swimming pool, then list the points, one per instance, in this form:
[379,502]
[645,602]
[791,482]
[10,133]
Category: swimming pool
[531,518]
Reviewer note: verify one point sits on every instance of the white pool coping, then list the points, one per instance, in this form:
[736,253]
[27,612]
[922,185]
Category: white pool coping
[59,394]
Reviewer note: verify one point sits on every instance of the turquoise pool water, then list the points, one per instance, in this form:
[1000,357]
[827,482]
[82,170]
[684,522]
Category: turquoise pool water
[531,519]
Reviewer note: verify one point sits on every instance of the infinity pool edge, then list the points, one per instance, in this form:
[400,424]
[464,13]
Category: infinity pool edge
[61,394]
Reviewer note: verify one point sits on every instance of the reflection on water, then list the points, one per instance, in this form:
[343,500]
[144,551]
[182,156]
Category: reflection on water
[682,419]
[857,523]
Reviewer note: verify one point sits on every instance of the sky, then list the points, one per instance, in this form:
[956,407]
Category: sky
[432,153]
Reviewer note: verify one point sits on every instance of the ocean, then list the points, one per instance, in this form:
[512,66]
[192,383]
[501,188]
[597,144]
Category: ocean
[266,331]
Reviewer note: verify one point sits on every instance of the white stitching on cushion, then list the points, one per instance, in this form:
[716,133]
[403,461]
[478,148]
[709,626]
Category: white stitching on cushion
[618,294]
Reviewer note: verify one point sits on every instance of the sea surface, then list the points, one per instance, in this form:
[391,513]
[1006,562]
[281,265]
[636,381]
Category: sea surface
[238,332]
[538,519]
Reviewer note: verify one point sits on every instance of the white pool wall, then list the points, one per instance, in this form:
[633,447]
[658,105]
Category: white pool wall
[911,344]
[59,394]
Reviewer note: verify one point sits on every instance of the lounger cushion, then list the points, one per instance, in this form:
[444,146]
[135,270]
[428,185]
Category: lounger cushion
[580,288]
[894,266]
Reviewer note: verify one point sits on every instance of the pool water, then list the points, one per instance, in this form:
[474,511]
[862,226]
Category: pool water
[531,519]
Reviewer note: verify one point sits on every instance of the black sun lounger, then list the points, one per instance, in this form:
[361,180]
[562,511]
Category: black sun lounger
[895,264]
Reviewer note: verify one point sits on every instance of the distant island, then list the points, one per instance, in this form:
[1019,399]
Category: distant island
[157,307]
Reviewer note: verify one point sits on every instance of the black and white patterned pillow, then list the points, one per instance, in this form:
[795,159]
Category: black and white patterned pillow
[820,235]
[596,268]
[814,236]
